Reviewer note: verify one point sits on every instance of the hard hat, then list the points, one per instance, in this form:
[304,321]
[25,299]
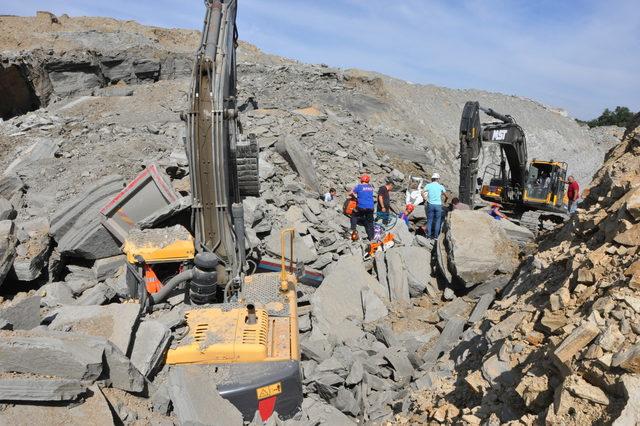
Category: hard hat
[435,176]
[365,178]
[409,207]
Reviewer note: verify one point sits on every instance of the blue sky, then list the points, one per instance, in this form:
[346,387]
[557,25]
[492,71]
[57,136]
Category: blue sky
[579,55]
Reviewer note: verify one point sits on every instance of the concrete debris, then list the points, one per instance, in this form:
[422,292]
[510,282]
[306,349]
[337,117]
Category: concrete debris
[40,150]
[71,357]
[301,161]
[482,351]
[301,251]
[397,276]
[149,346]
[76,226]
[193,405]
[56,294]
[94,410]
[6,209]
[107,267]
[39,389]
[97,295]
[477,247]
[114,322]
[23,313]
[630,414]
[335,301]
[7,248]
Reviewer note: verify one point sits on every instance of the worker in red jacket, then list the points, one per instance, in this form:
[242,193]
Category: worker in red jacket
[573,193]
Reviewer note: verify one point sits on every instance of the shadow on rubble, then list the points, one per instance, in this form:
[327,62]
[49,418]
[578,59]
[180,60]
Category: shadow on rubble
[500,397]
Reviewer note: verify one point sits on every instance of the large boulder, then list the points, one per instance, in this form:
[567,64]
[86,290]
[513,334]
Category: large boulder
[340,297]
[477,247]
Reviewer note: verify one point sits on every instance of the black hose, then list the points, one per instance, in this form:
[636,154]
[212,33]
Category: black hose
[171,284]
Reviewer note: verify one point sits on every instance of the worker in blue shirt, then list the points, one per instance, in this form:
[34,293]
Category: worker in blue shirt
[434,193]
[364,209]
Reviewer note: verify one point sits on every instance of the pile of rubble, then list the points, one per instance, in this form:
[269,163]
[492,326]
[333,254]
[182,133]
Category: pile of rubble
[392,337]
[560,344]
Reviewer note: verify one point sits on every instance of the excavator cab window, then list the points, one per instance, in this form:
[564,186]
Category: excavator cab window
[545,182]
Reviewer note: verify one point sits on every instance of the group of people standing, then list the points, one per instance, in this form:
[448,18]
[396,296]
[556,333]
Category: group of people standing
[367,201]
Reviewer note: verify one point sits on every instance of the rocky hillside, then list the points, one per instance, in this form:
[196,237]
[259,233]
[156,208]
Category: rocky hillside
[560,346]
[365,118]
[88,103]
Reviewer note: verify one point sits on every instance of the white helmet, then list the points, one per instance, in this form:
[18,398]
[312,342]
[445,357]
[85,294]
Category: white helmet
[435,176]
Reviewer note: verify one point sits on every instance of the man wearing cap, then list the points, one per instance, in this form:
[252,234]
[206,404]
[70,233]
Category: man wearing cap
[433,193]
[364,209]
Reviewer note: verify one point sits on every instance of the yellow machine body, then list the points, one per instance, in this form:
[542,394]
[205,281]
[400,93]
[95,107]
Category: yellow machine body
[221,336]
[176,251]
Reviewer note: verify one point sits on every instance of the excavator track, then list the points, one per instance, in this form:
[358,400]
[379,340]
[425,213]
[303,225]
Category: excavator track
[248,171]
[531,220]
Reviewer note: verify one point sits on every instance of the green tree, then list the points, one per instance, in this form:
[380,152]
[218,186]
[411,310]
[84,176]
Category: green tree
[618,117]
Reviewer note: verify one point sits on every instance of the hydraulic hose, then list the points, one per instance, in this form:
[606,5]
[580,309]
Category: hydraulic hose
[171,284]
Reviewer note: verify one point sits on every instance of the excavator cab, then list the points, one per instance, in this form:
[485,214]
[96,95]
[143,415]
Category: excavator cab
[492,185]
[545,185]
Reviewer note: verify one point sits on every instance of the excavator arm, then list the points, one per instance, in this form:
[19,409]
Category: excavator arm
[213,145]
[508,134]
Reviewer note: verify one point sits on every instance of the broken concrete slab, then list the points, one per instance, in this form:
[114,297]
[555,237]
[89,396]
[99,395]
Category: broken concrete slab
[516,233]
[94,411]
[457,308]
[76,225]
[97,295]
[381,272]
[114,322]
[8,243]
[150,343]
[506,327]
[11,187]
[56,294]
[41,149]
[294,151]
[580,388]
[478,247]
[339,297]
[374,308]
[417,261]
[34,388]
[23,313]
[6,209]
[630,414]
[323,413]
[449,337]
[403,370]
[578,339]
[196,401]
[107,267]
[628,359]
[33,250]
[346,402]
[301,251]
[481,307]
[50,355]
[397,276]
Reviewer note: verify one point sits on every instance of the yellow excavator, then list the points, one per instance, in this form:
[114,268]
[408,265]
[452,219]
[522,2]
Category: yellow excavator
[532,192]
[241,327]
